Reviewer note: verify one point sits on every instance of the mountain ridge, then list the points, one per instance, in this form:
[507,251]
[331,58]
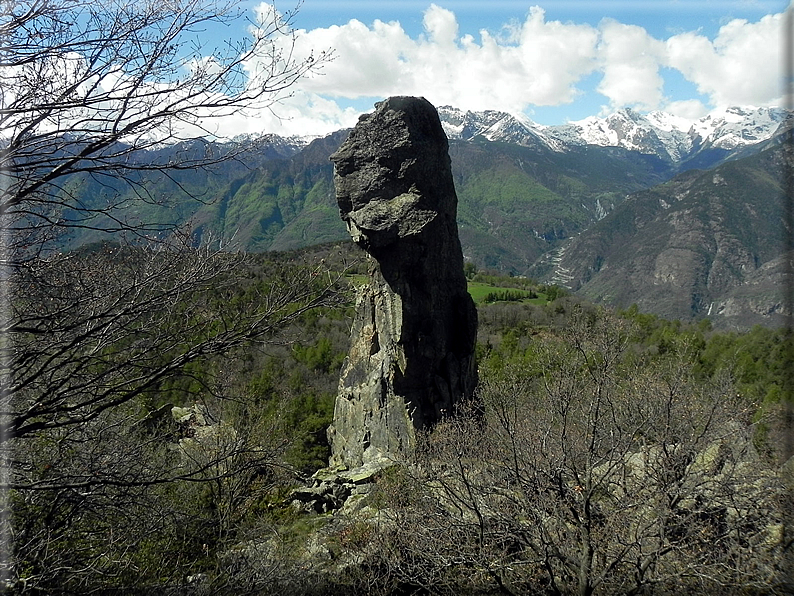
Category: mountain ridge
[672,138]
[527,200]
[707,243]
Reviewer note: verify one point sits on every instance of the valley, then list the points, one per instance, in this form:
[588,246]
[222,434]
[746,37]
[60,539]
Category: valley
[626,209]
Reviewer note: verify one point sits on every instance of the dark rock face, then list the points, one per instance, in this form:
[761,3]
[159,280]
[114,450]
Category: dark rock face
[412,346]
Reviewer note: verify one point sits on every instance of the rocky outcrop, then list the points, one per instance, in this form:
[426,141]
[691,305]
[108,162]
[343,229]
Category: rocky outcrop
[412,344]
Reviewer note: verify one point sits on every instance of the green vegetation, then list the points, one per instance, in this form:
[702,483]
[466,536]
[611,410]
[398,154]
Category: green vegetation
[276,400]
[489,287]
[265,202]
[509,296]
[592,465]
[507,187]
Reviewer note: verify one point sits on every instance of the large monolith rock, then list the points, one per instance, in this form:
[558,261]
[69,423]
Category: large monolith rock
[412,343]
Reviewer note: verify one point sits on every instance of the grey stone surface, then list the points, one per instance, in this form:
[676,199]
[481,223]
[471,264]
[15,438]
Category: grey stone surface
[412,343]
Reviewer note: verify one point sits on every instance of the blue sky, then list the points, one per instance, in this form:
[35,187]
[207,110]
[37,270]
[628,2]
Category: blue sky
[658,17]
[553,61]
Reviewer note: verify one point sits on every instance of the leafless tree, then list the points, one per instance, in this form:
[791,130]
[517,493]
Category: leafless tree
[149,512]
[115,334]
[112,324]
[108,95]
[87,85]
[595,471]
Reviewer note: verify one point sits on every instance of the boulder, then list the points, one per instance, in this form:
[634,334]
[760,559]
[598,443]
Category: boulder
[411,357]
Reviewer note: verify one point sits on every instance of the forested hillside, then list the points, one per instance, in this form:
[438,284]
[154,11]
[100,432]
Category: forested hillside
[177,305]
[705,244]
[702,243]
[189,482]
[515,202]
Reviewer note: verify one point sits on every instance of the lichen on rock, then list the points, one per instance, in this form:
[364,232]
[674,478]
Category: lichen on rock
[411,357]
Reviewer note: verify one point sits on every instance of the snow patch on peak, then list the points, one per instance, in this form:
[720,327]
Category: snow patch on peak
[494,125]
[657,133]
[733,127]
[669,122]
[671,137]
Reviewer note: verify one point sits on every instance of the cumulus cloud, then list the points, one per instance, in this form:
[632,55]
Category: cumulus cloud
[554,57]
[629,59]
[301,113]
[740,66]
[442,25]
[691,109]
[533,62]
[539,64]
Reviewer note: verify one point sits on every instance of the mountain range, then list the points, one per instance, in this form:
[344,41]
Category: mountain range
[681,217]
[677,140]
[707,243]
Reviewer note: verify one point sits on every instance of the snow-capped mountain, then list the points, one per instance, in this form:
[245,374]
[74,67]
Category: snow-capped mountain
[274,145]
[658,133]
[738,127]
[672,138]
[495,126]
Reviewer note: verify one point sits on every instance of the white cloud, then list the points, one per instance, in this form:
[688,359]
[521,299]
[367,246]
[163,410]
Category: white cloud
[368,61]
[741,66]
[690,109]
[554,57]
[299,114]
[533,62]
[442,26]
[539,65]
[629,59]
